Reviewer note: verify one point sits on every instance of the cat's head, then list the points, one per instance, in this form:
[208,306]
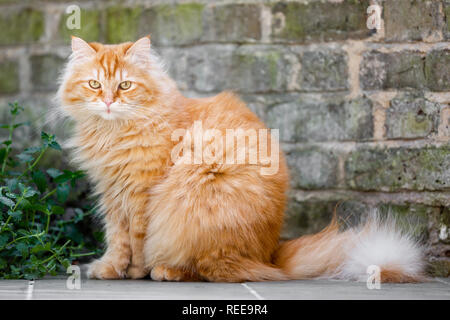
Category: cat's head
[112,82]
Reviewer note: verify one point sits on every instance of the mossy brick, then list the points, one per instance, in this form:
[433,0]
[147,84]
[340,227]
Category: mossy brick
[397,168]
[437,70]
[260,70]
[234,23]
[173,24]
[45,70]
[439,267]
[122,24]
[329,120]
[410,115]
[308,217]
[89,26]
[447,20]
[411,20]
[21,27]
[396,70]
[323,21]
[323,71]
[9,77]
[312,168]
[197,69]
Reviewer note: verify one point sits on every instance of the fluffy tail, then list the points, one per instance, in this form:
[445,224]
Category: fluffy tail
[348,254]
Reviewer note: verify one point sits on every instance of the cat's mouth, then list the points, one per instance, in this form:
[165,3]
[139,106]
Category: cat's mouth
[108,115]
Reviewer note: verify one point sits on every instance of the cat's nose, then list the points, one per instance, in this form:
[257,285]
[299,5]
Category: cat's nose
[108,102]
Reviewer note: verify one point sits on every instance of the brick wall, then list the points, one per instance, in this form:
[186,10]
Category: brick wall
[363,114]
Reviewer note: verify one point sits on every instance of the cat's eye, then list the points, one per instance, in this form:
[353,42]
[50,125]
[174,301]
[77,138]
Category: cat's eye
[124,85]
[94,84]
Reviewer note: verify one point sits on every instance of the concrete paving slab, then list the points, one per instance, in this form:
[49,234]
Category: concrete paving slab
[13,289]
[348,290]
[56,289]
[140,289]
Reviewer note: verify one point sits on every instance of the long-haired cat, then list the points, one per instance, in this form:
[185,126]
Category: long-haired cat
[179,219]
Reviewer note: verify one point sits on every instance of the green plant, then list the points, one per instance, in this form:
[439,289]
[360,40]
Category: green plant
[39,233]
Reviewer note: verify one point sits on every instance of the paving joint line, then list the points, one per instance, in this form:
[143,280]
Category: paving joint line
[252,291]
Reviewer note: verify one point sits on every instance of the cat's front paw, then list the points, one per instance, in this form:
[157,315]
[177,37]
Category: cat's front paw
[100,269]
[136,272]
[163,273]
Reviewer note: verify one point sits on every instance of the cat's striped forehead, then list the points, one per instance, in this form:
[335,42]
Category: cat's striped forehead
[109,61]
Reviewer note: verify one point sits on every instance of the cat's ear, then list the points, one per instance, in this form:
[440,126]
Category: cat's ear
[81,49]
[139,52]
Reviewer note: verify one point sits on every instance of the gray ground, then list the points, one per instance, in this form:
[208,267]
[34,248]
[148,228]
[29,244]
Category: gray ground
[56,288]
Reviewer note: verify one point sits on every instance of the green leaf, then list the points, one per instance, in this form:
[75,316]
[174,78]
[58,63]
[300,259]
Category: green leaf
[2,154]
[54,145]
[40,247]
[79,215]
[12,184]
[12,195]
[32,150]
[58,210]
[14,108]
[22,247]
[3,239]
[49,141]
[66,176]
[25,157]
[17,125]
[16,215]
[39,180]
[28,193]
[39,207]
[7,202]
[62,192]
[3,263]
[54,172]
[24,204]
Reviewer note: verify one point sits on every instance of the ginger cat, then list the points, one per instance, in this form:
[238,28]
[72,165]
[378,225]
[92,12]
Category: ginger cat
[180,218]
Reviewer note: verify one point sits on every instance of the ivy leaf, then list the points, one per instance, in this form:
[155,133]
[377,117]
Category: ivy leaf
[7,202]
[39,180]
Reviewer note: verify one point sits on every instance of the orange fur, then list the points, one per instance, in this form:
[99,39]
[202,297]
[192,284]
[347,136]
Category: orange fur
[214,222]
